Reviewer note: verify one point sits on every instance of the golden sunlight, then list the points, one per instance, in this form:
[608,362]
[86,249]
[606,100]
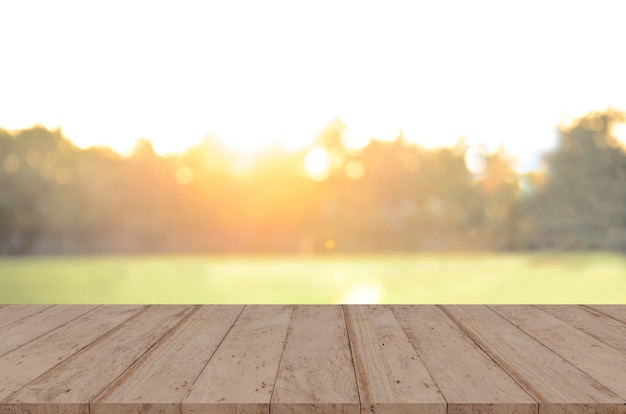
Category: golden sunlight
[355,170]
[318,163]
[475,160]
[188,82]
[619,132]
[184,176]
[355,139]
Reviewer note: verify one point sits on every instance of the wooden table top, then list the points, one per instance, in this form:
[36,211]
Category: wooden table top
[253,359]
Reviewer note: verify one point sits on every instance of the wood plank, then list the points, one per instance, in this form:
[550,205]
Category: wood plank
[316,374]
[71,385]
[160,380]
[26,329]
[558,386]
[591,322]
[23,365]
[240,377]
[605,364]
[13,313]
[617,312]
[468,378]
[390,375]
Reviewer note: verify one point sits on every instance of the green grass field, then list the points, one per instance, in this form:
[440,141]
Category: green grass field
[422,278]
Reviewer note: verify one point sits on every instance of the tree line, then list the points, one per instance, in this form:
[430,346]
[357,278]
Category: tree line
[389,196]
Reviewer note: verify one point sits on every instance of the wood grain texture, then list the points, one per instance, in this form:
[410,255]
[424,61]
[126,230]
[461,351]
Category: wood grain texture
[71,385]
[118,359]
[617,312]
[605,364]
[390,375]
[591,322]
[468,378]
[316,374]
[12,313]
[31,327]
[23,365]
[162,377]
[240,376]
[557,385]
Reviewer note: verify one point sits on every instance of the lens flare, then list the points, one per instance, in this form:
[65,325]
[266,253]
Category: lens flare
[475,160]
[317,163]
[364,294]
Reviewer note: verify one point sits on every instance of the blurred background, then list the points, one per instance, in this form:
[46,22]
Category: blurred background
[338,152]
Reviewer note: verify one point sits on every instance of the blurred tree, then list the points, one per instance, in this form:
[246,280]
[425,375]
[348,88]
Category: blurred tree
[583,204]
[389,196]
[500,216]
[36,162]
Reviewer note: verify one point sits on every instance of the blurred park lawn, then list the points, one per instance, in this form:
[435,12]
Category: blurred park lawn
[419,278]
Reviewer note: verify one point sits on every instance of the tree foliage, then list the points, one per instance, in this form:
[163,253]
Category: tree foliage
[583,203]
[388,196]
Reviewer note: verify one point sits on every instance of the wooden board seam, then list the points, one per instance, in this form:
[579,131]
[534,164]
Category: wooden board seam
[169,332]
[466,320]
[565,358]
[420,358]
[180,403]
[281,358]
[589,312]
[316,373]
[27,316]
[106,334]
[356,378]
[47,332]
[599,310]
[526,388]
[552,350]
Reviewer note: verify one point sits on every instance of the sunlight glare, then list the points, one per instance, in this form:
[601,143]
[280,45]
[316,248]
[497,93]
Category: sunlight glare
[317,163]
[245,141]
[297,142]
[475,160]
[619,132]
[203,75]
[363,294]
[299,133]
[355,139]
[567,120]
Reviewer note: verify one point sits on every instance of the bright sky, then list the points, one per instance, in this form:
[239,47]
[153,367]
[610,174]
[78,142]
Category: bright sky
[255,72]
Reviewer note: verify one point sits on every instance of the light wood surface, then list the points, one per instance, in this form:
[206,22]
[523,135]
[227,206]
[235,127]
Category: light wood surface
[163,376]
[73,383]
[12,313]
[328,359]
[240,376]
[617,312]
[31,327]
[556,384]
[464,373]
[24,364]
[600,361]
[390,375]
[592,322]
[316,373]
